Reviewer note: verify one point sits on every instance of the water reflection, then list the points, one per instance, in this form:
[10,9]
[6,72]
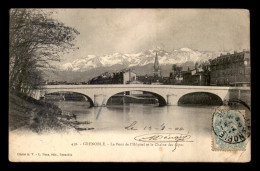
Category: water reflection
[117,117]
[194,119]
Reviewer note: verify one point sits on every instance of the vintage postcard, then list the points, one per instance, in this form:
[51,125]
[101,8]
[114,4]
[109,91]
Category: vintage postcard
[129,85]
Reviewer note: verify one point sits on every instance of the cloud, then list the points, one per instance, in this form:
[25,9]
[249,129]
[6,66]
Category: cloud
[106,31]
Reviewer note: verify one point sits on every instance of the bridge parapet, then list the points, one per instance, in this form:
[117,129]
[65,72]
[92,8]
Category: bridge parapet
[137,86]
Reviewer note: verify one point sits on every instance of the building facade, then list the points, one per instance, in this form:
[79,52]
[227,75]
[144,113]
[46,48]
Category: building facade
[196,77]
[231,69]
[129,77]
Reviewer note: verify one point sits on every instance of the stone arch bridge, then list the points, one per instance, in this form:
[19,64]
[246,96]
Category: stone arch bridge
[98,95]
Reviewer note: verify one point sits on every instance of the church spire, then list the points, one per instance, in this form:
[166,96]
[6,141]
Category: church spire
[156,62]
[156,66]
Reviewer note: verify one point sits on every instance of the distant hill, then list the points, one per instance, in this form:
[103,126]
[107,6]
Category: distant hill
[83,76]
[91,66]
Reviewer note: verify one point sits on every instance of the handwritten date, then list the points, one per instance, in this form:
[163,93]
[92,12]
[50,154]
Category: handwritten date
[133,126]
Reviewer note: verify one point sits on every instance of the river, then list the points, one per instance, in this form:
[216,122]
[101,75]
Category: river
[141,117]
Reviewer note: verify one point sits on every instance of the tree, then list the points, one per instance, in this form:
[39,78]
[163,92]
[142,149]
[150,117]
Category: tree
[196,66]
[205,66]
[174,67]
[176,71]
[35,39]
[178,74]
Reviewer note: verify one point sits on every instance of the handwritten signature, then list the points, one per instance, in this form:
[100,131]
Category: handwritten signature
[164,137]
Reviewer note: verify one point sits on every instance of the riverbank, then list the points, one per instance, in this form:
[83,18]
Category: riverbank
[37,116]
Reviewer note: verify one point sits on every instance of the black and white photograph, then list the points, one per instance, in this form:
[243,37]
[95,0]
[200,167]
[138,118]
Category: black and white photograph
[129,85]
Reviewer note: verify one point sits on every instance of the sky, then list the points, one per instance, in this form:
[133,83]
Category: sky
[105,31]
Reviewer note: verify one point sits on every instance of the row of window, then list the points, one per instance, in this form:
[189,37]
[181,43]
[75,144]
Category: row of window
[229,58]
[227,81]
[226,66]
[227,73]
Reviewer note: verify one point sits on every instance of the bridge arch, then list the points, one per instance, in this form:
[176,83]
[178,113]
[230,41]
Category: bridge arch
[89,99]
[200,98]
[161,99]
[235,101]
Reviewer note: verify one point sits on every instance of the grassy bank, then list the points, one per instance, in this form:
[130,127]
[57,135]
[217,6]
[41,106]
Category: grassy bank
[39,116]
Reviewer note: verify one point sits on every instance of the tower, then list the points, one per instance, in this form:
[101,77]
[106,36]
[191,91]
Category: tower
[156,69]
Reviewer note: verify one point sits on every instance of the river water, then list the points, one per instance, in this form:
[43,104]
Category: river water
[141,117]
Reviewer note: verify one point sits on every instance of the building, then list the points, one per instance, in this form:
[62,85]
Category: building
[196,77]
[152,80]
[231,69]
[145,79]
[156,69]
[187,77]
[129,77]
[200,79]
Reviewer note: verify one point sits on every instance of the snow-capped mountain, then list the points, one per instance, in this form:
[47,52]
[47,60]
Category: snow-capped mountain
[143,58]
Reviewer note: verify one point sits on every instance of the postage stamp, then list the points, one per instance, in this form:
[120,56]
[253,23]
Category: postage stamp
[229,130]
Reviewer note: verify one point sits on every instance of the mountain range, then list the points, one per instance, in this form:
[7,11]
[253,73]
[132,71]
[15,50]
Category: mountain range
[85,68]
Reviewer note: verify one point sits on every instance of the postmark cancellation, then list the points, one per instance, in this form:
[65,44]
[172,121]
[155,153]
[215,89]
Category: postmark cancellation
[229,130]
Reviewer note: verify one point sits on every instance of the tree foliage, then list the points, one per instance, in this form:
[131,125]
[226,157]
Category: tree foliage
[205,66]
[176,71]
[35,39]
